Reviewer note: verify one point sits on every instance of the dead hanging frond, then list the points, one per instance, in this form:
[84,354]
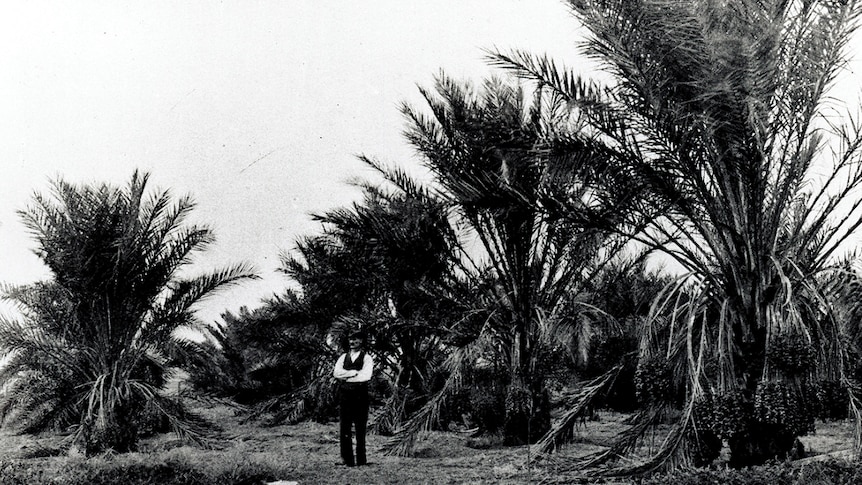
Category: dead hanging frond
[187,425]
[671,454]
[401,444]
[391,416]
[211,400]
[674,451]
[626,441]
[688,348]
[563,432]
[318,392]
[297,404]
[682,442]
[393,412]
[459,361]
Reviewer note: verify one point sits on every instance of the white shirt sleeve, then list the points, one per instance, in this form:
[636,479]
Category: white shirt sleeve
[364,374]
[339,372]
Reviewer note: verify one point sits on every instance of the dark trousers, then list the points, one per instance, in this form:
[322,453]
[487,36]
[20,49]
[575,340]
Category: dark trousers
[353,404]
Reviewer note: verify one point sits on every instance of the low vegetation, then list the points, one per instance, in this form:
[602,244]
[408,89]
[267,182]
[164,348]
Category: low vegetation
[253,453]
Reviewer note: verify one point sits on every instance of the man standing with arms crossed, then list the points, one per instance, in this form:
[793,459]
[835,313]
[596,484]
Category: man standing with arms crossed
[353,369]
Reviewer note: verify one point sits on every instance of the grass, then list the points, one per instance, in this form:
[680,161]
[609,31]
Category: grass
[307,453]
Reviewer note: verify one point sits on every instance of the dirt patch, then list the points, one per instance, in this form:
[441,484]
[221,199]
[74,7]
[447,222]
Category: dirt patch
[828,438]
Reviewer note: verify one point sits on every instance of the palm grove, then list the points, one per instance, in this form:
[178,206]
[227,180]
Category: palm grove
[520,268]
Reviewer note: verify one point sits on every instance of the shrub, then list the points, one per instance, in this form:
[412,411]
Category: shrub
[102,472]
[138,473]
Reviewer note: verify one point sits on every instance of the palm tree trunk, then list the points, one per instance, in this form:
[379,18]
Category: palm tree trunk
[759,442]
[528,413]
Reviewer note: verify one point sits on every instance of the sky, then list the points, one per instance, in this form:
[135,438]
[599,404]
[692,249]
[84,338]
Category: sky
[257,109]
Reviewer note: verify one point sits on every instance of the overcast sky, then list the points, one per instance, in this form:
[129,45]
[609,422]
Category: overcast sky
[257,109]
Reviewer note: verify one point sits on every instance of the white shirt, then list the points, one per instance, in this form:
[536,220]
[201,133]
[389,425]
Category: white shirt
[362,375]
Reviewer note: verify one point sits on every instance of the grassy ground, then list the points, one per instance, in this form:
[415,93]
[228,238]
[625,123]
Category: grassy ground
[308,454]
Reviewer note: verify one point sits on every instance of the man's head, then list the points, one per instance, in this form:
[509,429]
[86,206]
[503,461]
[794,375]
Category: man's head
[356,340]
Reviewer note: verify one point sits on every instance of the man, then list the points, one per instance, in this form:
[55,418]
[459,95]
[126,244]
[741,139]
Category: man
[353,369]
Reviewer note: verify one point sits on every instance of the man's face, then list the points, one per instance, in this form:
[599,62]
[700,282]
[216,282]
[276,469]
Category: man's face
[355,342]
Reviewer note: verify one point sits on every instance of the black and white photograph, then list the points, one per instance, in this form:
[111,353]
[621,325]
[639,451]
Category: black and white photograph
[293,242]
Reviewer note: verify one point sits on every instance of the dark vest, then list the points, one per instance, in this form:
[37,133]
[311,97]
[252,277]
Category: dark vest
[357,364]
[354,365]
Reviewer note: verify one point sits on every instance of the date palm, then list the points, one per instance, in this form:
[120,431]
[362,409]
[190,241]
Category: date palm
[400,239]
[494,153]
[97,336]
[719,112]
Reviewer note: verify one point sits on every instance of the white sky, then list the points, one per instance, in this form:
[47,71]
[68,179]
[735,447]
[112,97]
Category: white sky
[256,109]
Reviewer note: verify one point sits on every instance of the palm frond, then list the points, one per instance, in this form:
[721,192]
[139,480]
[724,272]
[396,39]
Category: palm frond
[563,431]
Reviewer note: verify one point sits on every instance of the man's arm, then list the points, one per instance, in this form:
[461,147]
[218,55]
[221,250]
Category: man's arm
[339,372]
[364,374]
